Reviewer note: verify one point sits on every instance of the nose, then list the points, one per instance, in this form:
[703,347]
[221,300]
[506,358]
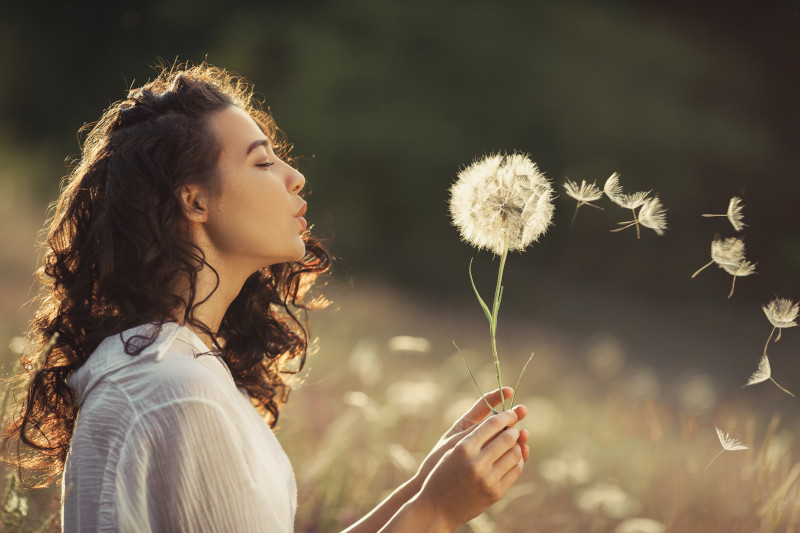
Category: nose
[296,181]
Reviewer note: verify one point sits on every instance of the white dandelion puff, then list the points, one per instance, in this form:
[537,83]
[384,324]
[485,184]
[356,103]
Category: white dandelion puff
[764,373]
[781,313]
[740,270]
[501,201]
[585,194]
[729,251]
[632,201]
[734,214]
[729,444]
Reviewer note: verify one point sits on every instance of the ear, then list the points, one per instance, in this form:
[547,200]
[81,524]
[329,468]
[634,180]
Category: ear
[195,202]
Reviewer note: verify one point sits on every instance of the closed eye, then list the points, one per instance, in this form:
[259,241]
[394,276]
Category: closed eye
[264,165]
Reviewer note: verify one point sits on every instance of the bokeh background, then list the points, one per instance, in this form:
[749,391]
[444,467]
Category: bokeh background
[385,102]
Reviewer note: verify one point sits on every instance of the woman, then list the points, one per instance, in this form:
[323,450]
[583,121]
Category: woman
[176,259]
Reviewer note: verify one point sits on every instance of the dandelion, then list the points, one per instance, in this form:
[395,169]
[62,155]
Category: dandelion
[763,373]
[729,444]
[585,193]
[652,215]
[724,252]
[781,313]
[734,213]
[632,201]
[740,270]
[500,203]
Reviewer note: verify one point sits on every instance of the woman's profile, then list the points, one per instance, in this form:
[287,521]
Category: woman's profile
[177,258]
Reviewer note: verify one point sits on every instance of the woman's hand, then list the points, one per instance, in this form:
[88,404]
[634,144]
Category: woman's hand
[463,427]
[475,472]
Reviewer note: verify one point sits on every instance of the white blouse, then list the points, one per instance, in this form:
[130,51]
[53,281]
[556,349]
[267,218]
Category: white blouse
[164,441]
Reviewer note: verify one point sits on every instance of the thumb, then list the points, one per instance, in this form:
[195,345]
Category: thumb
[480,410]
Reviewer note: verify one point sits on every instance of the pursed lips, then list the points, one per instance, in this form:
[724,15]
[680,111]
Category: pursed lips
[299,216]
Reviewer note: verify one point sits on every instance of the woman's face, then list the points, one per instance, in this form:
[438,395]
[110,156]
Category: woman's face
[255,219]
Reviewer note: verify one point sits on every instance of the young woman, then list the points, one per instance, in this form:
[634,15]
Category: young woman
[176,260]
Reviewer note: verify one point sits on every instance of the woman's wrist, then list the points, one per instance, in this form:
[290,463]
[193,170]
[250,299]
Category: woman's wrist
[423,516]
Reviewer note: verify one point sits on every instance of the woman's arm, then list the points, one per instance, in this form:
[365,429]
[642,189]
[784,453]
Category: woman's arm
[407,508]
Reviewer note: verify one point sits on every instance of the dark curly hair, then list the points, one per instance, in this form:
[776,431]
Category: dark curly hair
[116,246]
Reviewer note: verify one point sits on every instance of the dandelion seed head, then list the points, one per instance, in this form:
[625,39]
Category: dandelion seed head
[762,373]
[729,443]
[613,190]
[735,215]
[727,252]
[740,270]
[584,193]
[782,312]
[653,215]
[499,197]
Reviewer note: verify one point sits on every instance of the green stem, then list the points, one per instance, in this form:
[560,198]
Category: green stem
[495,309]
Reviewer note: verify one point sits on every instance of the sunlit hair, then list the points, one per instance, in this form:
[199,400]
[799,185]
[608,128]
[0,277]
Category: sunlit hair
[116,245]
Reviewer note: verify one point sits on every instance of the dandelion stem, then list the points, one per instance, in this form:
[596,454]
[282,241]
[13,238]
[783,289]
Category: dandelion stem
[516,387]
[781,388]
[629,224]
[702,268]
[780,330]
[733,284]
[709,216]
[495,310]
[712,460]
[768,339]
[483,396]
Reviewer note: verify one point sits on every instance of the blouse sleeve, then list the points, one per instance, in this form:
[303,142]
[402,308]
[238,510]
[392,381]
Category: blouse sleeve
[181,468]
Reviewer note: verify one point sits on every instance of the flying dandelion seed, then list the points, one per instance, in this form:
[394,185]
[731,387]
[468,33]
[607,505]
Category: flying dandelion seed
[734,214]
[632,201]
[781,313]
[729,251]
[764,373]
[500,203]
[651,215]
[729,444]
[744,268]
[585,194]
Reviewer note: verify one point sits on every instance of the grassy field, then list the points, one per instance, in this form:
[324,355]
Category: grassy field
[621,418]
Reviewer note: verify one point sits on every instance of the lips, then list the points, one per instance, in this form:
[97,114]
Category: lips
[299,216]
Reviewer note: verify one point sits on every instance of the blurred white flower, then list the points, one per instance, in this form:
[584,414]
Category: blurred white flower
[729,444]
[734,213]
[402,459]
[640,525]
[405,343]
[410,397]
[567,469]
[609,499]
[585,194]
[501,201]
[763,373]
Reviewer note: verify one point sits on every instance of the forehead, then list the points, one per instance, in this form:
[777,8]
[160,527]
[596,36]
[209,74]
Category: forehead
[235,130]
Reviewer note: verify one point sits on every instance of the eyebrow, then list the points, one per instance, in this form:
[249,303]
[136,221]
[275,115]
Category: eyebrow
[256,144]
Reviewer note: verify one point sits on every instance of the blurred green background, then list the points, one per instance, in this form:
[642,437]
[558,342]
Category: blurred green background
[386,101]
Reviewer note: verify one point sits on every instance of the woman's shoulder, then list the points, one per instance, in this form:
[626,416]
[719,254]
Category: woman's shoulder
[173,366]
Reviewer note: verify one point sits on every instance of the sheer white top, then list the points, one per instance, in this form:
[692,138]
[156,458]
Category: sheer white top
[164,441]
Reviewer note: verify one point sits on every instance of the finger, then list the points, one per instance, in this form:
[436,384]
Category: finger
[490,428]
[526,452]
[506,462]
[524,435]
[501,444]
[479,409]
[521,412]
[511,476]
